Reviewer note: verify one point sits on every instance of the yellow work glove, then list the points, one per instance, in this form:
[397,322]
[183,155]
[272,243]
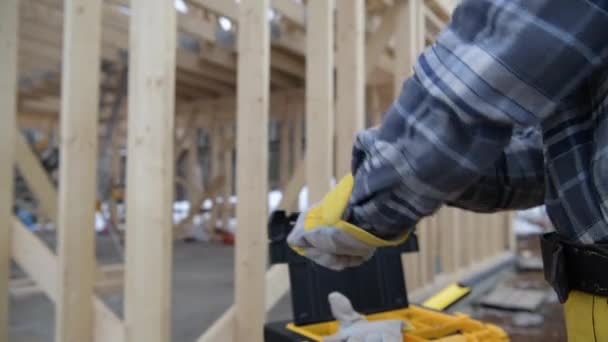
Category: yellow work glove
[323,236]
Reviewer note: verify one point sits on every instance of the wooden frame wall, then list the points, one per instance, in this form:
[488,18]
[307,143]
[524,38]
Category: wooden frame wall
[153,26]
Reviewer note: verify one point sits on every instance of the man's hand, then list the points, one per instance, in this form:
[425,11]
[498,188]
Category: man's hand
[355,328]
[322,235]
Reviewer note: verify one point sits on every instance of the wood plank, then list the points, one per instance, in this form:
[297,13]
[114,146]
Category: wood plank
[223,329]
[36,178]
[291,191]
[252,176]
[291,10]
[37,260]
[319,98]
[277,278]
[350,101]
[228,168]
[150,170]
[9,12]
[378,40]
[285,149]
[77,172]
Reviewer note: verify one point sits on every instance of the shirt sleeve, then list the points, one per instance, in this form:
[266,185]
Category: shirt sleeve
[498,65]
[516,180]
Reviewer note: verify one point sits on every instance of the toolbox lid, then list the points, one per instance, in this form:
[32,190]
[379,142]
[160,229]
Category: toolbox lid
[375,286]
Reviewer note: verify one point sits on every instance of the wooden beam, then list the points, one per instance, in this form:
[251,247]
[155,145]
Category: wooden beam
[36,178]
[77,172]
[37,260]
[319,98]
[350,101]
[150,171]
[277,277]
[9,14]
[252,161]
[285,150]
[228,168]
[378,40]
[291,10]
[291,190]
[223,329]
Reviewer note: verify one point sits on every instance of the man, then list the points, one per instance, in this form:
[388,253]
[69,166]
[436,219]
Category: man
[507,110]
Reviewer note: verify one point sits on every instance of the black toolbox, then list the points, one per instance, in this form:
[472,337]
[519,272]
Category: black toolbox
[376,286]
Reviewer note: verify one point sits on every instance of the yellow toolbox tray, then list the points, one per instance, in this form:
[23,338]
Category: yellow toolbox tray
[422,325]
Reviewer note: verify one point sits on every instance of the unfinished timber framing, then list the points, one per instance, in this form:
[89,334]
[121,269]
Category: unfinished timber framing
[77,176]
[350,65]
[319,98]
[174,93]
[252,151]
[150,169]
[9,14]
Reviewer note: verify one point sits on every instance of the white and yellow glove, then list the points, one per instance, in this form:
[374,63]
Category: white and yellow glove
[324,237]
[355,328]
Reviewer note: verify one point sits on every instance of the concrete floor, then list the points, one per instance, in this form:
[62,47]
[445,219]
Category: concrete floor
[202,290]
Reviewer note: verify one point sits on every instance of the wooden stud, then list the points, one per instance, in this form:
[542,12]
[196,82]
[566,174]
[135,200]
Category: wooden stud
[35,258]
[319,98]
[253,81]
[9,14]
[150,169]
[378,40]
[285,151]
[215,156]
[350,102]
[36,178]
[277,281]
[228,170]
[77,171]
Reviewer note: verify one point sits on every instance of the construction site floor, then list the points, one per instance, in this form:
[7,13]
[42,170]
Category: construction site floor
[202,290]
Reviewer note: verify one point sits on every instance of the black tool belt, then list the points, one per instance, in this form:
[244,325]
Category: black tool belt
[574,266]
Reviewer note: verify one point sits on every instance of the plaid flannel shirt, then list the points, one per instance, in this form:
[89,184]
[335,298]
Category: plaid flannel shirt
[506,110]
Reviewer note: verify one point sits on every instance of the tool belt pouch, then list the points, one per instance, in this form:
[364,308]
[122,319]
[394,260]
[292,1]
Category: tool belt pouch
[574,266]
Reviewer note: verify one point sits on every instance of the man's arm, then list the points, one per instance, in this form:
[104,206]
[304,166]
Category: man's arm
[514,181]
[499,64]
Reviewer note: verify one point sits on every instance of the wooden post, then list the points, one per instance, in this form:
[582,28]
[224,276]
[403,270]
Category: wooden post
[350,102]
[77,170]
[150,168]
[9,18]
[36,177]
[319,98]
[217,144]
[228,179]
[252,165]
[298,134]
[286,151]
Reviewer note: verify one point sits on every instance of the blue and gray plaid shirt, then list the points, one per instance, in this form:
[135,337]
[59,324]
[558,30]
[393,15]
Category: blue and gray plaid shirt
[506,110]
